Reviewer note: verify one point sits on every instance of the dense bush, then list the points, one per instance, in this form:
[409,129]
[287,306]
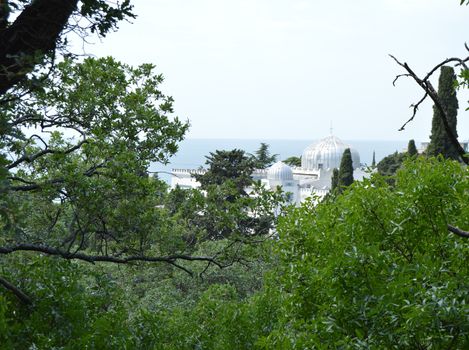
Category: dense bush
[377,267]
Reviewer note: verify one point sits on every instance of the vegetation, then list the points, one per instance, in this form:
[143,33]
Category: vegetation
[439,141]
[293,161]
[227,209]
[234,166]
[335,180]
[374,267]
[411,148]
[377,265]
[345,176]
[389,165]
[262,157]
[29,50]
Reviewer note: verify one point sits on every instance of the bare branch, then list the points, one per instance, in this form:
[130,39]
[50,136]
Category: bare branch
[427,86]
[399,76]
[415,108]
[461,62]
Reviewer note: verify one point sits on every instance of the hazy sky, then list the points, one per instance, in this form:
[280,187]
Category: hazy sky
[288,68]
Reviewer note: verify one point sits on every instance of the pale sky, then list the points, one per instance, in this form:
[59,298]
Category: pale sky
[267,69]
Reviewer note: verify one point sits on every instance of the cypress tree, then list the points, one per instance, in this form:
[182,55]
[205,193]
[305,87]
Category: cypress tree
[373,162]
[346,170]
[411,148]
[439,140]
[334,179]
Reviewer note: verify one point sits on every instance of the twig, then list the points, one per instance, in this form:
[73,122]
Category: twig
[415,108]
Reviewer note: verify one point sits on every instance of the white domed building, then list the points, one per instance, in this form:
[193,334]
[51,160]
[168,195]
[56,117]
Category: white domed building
[281,175]
[312,179]
[327,154]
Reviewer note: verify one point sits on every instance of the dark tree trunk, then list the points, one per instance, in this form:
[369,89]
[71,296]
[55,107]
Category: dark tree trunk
[34,33]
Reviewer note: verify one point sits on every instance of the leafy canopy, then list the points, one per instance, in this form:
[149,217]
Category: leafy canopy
[75,158]
[262,157]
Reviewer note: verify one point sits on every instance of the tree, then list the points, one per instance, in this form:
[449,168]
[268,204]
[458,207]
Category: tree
[334,180]
[229,210]
[439,141]
[81,192]
[373,162]
[364,271]
[293,161]
[234,166]
[389,165]
[22,49]
[262,157]
[439,104]
[345,177]
[412,149]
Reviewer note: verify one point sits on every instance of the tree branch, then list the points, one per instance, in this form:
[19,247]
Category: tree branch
[16,291]
[427,86]
[33,157]
[458,231]
[35,30]
[415,109]
[171,259]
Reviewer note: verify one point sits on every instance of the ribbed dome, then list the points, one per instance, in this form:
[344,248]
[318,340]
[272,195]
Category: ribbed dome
[326,154]
[280,172]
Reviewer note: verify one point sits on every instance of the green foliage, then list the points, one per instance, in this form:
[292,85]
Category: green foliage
[439,141]
[345,176]
[67,311]
[262,157]
[101,15]
[223,212]
[389,165]
[411,148]
[335,180]
[219,320]
[376,267]
[85,186]
[234,166]
[293,161]
[105,16]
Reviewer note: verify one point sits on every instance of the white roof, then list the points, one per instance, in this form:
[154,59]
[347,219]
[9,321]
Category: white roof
[327,154]
[280,172]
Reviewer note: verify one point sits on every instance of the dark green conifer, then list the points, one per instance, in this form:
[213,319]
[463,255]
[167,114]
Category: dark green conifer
[439,140]
[346,170]
[411,148]
[293,161]
[373,162]
[263,158]
[334,179]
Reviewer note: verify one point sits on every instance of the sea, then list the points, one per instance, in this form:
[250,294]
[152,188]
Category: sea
[192,152]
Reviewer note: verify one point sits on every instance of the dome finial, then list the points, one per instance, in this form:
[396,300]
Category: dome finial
[331,129]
